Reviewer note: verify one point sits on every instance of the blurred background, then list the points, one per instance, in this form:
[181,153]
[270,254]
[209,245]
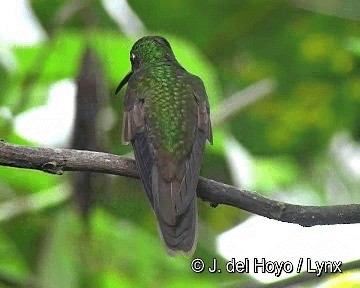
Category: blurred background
[284,87]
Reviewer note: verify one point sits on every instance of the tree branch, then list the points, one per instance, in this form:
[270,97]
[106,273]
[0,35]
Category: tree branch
[56,161]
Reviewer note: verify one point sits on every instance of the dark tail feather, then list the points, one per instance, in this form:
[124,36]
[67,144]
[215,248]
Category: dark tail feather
[183,235]
[178,231]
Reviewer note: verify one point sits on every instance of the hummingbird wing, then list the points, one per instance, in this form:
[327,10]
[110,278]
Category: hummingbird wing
[204,122]
[134,131]
[174,181]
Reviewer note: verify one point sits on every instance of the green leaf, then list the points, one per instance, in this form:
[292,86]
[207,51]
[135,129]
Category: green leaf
[27,59]
[63,59]
[50,61]
[274,172]
[354,45]
[114,279]
[27,180]
[12,264]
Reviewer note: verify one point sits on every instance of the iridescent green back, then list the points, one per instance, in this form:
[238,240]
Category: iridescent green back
[169,99]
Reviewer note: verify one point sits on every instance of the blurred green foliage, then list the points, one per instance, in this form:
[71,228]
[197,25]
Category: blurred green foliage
[315,60]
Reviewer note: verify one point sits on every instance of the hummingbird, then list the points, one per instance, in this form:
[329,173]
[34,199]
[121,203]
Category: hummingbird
[167,120]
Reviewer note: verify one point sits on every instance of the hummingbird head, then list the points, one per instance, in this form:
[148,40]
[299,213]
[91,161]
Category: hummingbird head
[148,50]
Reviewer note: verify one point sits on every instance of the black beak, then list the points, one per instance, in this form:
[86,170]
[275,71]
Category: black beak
[123,82]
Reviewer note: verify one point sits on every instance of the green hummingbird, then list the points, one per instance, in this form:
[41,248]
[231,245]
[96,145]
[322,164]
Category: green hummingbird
[167,120]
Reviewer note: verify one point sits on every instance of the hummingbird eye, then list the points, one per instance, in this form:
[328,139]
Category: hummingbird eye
[135,63]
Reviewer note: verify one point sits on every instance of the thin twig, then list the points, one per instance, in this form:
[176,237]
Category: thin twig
[33,202]
[56,161]
[232,105]
[8,281]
